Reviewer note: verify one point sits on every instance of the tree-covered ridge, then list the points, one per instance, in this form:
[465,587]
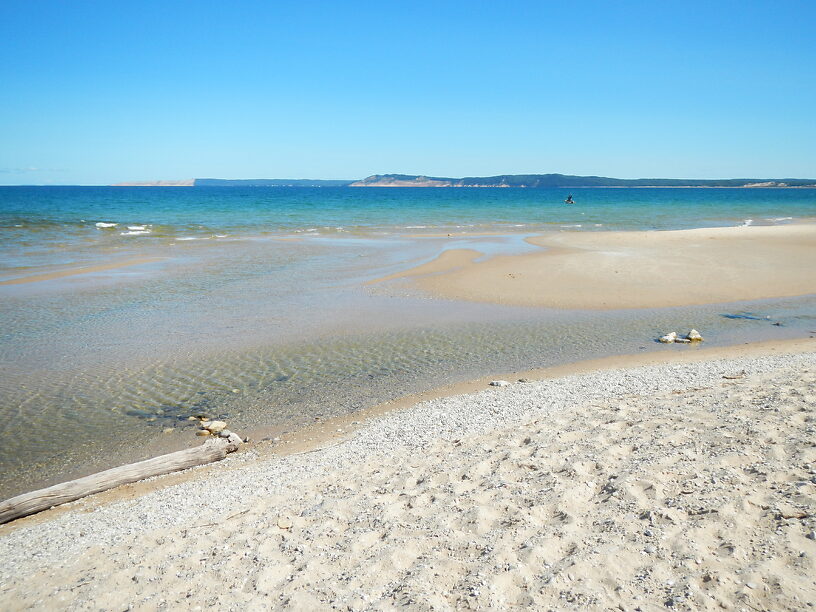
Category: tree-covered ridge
[567,180]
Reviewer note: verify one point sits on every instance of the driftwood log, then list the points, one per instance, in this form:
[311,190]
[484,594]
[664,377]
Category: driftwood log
[36,501]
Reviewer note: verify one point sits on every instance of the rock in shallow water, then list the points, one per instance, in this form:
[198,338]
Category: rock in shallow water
[668,338]
[214,426]
[499,383]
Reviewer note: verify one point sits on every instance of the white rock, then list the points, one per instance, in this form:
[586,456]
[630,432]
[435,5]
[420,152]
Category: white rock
[683,340]
[214,426]
[668,338]
[499,383]
[695,336]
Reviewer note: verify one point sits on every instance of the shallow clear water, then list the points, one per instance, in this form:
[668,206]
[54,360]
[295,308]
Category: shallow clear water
[273,324]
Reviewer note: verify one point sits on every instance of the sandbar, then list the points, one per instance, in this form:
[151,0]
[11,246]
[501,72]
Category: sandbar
[624,270]
[34,278]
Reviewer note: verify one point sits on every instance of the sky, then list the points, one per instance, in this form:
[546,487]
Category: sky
[97,92]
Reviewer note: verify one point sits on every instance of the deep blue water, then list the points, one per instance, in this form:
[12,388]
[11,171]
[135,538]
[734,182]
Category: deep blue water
[288,209]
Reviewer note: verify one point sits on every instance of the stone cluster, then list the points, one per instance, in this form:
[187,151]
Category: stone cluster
[692,336]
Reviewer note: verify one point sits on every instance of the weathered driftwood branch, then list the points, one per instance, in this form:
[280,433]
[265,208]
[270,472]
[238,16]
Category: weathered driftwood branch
[35,501]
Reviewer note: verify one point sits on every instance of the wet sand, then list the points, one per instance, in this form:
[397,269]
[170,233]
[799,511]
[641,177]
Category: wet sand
[619,270]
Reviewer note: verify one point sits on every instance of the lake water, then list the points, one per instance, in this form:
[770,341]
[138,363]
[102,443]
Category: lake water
[251,303]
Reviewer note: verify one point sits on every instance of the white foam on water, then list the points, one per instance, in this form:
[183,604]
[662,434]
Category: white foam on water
[747,222]
[187,238]
[775,219]
[575,225]
[219,235]
[137,227]
[103,224]
[141,232]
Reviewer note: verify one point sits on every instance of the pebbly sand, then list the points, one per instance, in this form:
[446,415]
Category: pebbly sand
[605,270]
[681,485]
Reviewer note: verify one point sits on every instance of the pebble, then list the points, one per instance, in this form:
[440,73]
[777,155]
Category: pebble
[811,535]
[214,426]
[284,522]
[202,432]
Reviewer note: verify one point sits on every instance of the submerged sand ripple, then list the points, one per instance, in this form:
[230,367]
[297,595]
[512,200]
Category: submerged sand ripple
[657,486]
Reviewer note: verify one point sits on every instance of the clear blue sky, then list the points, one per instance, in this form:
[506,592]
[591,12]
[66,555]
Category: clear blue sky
[107,91]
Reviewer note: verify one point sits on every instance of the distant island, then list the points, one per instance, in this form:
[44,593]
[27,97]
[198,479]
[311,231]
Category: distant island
[533,181]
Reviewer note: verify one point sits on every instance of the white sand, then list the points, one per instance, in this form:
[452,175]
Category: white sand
[603,270]
[645,488]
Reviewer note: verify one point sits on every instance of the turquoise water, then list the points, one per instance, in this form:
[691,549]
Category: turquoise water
[43,225]
[254,306]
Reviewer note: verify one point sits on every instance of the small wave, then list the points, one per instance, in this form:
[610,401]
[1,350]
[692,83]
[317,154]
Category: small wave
[416,226]
[575,225]
[187,238]
[137,227]
[776,219]
[141,232]
[219,235]
[747,222]
[103,224]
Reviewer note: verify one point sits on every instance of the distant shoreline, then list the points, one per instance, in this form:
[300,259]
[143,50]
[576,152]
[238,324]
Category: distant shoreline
[534,181]
[519,181]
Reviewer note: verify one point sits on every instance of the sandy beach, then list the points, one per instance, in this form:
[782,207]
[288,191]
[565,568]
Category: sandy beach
[688,484]
[606,270]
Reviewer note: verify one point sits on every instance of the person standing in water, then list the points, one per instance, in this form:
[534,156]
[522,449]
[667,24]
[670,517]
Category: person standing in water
[569,200]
